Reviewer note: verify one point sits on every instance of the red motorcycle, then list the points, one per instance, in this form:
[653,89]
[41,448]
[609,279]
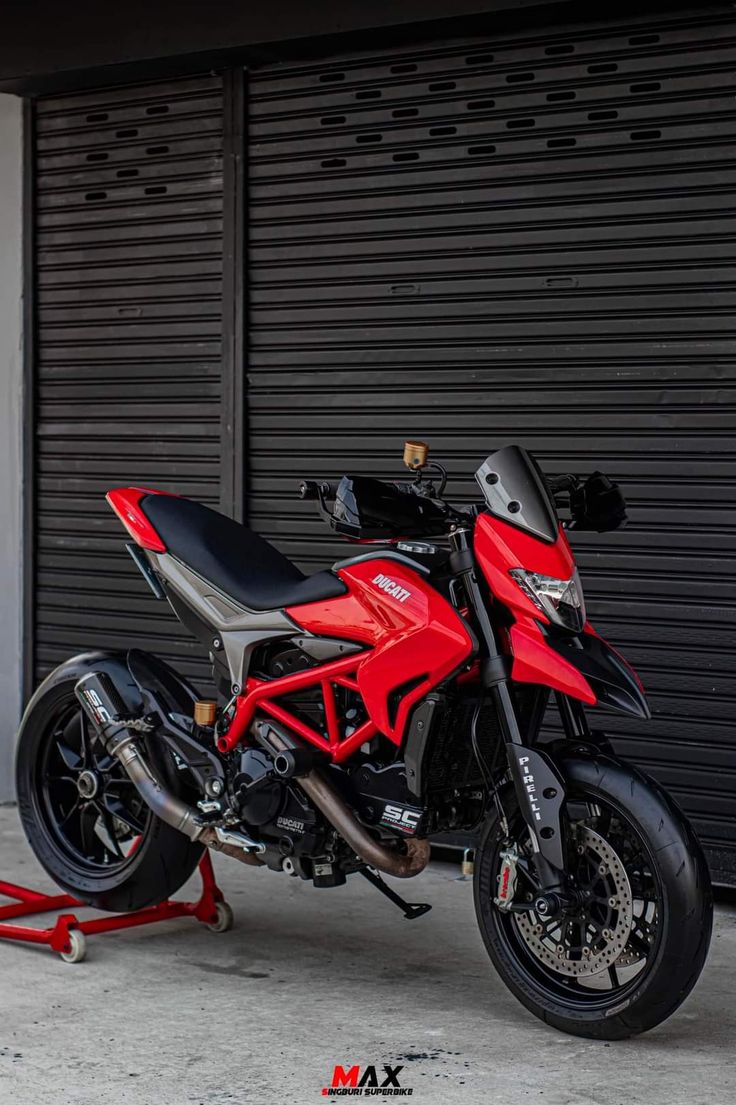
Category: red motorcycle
[363,709]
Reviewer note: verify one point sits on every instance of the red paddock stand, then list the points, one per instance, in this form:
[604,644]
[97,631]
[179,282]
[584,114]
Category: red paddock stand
[68,936]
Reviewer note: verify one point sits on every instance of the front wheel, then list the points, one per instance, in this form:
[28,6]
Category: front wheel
[627,954]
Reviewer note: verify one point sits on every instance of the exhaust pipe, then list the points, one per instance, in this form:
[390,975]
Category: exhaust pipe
[177,813]
[104,707]
[163,803]
[324,795]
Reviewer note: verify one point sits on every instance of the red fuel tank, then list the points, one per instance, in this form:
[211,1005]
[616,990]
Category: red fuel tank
[416,637]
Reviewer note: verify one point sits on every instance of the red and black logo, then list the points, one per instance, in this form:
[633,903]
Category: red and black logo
[359,1081]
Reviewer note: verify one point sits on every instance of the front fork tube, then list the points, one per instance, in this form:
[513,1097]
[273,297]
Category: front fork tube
[539,788]
[573,718]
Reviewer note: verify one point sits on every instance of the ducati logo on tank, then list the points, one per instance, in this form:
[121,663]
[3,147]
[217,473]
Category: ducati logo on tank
[391,587]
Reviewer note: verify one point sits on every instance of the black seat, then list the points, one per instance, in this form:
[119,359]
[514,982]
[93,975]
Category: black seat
[233,558]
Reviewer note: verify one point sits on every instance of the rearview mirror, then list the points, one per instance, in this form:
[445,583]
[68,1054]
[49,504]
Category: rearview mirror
[597,505]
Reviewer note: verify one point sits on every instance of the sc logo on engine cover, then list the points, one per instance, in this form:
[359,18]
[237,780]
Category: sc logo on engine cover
[404,818]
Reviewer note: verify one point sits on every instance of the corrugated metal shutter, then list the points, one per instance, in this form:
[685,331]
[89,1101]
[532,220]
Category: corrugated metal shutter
[526,239]
[128,228]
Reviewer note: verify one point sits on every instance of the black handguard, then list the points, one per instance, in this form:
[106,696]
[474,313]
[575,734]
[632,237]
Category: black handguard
[597,505]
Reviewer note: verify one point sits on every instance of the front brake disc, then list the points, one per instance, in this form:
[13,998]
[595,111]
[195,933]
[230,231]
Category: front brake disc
[595,937]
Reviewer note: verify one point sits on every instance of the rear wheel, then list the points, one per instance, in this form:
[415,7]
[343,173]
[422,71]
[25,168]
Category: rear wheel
[627,953]
[83,817]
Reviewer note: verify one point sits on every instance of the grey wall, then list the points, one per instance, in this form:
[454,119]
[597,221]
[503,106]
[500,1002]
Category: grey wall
[11,160]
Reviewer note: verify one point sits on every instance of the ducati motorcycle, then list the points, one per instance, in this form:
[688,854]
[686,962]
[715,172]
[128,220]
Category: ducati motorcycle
[439,680]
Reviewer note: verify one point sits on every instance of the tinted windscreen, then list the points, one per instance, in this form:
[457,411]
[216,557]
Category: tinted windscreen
[515,492]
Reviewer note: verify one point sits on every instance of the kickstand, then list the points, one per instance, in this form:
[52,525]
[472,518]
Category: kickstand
[410,911]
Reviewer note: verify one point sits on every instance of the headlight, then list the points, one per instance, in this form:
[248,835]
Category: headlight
[560,599]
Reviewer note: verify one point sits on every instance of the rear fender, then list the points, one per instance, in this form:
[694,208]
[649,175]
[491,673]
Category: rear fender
[113,664]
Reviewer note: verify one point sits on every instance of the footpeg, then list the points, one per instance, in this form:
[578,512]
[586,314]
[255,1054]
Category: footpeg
[410,910]
[239,840]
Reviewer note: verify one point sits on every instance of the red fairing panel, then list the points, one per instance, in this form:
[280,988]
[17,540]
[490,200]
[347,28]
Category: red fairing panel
[125,501]
[534,662]
[414,634]
[500,547]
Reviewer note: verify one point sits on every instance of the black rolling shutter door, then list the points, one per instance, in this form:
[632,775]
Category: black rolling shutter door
[129,388]
[525,239]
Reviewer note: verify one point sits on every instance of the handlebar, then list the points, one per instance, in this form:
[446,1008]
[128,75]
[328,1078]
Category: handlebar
[561,483]
[595,503]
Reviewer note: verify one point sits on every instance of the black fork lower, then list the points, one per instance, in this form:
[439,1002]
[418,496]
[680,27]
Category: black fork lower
[539,787]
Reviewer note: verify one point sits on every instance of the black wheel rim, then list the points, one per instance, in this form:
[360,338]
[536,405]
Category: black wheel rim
[90,808]
[599,991]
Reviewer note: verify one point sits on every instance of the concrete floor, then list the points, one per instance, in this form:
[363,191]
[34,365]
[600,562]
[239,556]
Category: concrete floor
[176,1015]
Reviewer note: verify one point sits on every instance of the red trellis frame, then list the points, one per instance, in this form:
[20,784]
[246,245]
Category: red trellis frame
[260,694]
[67,935]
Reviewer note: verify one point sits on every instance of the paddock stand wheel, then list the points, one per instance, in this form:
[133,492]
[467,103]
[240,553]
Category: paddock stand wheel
[68,937]
[77,952]
[225,918]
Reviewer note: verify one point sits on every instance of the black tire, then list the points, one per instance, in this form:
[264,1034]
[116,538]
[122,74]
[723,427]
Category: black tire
[154,868]
[684,918]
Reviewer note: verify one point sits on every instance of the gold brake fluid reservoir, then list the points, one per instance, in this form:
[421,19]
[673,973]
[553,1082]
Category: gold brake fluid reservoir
[205,713]
[415,454]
